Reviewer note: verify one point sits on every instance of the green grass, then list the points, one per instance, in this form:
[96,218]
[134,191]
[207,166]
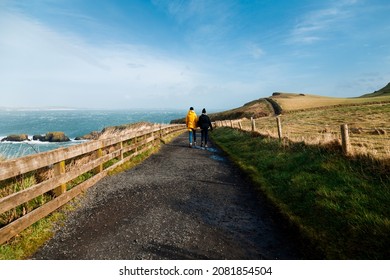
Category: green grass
[339,204]
[28,241]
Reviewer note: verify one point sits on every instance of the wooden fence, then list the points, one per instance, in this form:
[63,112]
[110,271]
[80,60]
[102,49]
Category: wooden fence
[56,174]
[372,141]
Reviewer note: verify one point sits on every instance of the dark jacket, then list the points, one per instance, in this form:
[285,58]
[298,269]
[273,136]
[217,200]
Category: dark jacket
[204,122]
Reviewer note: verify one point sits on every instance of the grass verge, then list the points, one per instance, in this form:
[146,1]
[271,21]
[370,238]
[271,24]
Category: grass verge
[28,241]
[339,204]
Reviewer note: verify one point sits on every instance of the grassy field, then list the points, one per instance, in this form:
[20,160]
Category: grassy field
[317,119]
[339,204]
[368,126]
[293,102]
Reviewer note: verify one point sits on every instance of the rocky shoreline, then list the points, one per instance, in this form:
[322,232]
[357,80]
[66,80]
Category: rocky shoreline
[59,136]
[48,137]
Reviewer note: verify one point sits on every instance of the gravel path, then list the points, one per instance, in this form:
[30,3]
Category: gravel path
[180,203]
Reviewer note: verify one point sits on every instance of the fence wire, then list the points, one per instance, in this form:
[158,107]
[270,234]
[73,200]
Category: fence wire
[365,140]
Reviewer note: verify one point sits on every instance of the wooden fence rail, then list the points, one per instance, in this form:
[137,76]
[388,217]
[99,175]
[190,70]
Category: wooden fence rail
[95,153]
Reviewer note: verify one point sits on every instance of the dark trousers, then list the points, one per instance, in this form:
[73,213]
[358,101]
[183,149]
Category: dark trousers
[204,136]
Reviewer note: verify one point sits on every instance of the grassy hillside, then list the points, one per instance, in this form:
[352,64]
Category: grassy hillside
[288,102]
[293,102]
[385,91]
[299,101]
[256,108]
[317,119]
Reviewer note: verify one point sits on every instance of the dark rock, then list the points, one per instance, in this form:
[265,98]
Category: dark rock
[94,135]
[16,138]
[38,137]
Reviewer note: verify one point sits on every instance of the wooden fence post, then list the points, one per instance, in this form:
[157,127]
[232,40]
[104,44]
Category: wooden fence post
[99,154]
[59,169]
[154,142]
[346,144]
[121,155]
[136,140]
[240,125]
[253,124]
[279,124]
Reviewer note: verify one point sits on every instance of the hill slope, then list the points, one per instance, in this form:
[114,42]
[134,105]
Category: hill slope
[385,91]
[286,102]
[256,109]
[293,101]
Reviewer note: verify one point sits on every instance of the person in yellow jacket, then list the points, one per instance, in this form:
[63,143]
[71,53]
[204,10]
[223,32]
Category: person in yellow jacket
[192,124]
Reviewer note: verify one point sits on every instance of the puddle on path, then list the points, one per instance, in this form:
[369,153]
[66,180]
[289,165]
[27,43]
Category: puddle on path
[217,158]
[214,153]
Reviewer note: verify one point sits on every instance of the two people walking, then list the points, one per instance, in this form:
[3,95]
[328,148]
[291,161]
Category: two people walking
[192,122]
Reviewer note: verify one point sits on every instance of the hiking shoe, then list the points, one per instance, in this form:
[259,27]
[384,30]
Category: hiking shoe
[205,146]
[190,145]
[194,143]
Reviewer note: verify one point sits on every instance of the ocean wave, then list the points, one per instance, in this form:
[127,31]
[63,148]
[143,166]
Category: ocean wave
[37,142]
[13,149]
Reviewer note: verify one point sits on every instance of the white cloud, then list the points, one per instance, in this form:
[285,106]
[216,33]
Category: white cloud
[256,51]
[38,61]
[313,25]
[208,22]
[40,66]
[215,65]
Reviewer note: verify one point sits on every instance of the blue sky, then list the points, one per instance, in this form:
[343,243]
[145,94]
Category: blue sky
[176,54]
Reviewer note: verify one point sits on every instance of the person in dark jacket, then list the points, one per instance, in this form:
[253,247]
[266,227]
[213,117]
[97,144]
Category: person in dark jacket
[204,123]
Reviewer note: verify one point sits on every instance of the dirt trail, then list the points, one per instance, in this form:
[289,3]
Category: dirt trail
[180,203]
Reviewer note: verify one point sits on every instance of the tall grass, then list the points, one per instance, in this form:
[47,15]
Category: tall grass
[14,150]
[339,204]
[9,187]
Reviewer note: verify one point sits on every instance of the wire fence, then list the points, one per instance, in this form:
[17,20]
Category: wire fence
[373,141]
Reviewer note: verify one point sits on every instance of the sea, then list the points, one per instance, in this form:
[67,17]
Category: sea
[74,123]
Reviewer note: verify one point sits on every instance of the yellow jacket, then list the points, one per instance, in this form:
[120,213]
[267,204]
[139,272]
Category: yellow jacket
[191,120]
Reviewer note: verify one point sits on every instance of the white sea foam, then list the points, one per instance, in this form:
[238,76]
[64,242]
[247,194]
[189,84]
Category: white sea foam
[38,142]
